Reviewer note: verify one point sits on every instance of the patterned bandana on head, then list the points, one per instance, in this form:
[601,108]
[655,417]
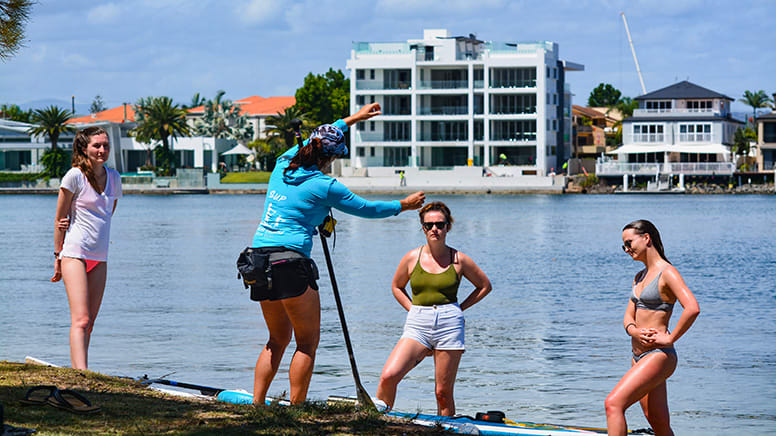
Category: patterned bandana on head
[332,140]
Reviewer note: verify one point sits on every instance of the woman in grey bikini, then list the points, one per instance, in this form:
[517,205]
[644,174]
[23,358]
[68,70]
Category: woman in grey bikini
[655,290]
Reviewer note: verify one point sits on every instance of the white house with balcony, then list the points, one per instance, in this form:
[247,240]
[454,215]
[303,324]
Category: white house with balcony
[456,101]
[682,129]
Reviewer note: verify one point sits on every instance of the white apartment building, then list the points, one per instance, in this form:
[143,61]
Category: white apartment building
[455,101]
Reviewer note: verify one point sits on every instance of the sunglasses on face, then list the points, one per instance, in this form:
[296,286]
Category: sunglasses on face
[439,224]
[626,246]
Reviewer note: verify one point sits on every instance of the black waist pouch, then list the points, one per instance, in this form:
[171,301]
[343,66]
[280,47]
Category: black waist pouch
[253,268]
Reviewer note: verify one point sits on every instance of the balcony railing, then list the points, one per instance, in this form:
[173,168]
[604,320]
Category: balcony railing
[615,168]
[516,84]
[443,84]
[516,137]
[443,110]
[648,137]
[443,137]
[381,48]
[371,84]
[695,137]
[676,112]
[378,137]
[514,111]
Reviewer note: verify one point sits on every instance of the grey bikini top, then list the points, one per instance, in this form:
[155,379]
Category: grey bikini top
[650,296]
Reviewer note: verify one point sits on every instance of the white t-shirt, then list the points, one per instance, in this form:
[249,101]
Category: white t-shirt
[90,212]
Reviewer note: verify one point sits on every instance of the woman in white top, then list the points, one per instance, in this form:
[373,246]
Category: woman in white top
[87,196]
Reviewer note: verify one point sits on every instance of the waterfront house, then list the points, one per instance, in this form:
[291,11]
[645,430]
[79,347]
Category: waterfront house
[256,109]
[453,101]
[682,129]
[593,127]
[766,141]
[20,151]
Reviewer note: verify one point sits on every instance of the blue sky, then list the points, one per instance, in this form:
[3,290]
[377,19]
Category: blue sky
[124,50]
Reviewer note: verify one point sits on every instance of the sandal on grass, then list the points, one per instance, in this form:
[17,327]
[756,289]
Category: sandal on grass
[38,395]
[72,401]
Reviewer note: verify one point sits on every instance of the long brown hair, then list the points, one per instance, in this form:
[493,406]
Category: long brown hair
[309,155]
[80,160]
[643,226]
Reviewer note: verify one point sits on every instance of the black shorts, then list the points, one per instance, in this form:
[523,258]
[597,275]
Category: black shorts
[292,273]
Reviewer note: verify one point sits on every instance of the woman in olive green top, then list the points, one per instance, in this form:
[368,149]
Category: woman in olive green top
[435,324]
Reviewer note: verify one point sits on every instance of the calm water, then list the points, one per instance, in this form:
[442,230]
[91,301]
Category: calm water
[546,345]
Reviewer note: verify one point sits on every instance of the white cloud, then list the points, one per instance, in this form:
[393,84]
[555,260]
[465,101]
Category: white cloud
[258,11]
[103,13]
[403,7]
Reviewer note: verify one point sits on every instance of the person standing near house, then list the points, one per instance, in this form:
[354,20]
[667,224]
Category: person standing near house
[655,290]
[87,200]
[299,197]
[435,323]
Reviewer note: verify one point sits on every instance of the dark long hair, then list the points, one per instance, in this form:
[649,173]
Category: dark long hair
[643,226]
[80,160]
[309,155]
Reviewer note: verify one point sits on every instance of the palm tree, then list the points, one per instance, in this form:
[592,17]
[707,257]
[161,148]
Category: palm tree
[281,125]
[196,101]
[625,106]
[223,119]
[158,118]
[14,14]
[756,100]
[51,122]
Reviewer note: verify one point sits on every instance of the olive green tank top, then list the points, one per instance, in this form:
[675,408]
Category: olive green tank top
[433,289]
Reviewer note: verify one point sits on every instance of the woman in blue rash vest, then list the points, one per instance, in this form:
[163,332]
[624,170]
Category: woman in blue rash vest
[655,290]
[299,197]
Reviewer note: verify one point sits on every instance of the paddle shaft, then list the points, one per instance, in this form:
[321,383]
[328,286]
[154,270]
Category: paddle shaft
[361,393]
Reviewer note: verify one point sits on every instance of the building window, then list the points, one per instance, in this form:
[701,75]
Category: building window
[429,53]
[647,133]
[695,132]
[371,99]
[769,132]
[548,72]
[359,99]
[372,151]
[360,127]
[360,151]
[658,106]
[555,75]
[548,125]
[554,125]
[512,77]
[699,105]
[359,74]
[372,126]
[371,74]
[554,98]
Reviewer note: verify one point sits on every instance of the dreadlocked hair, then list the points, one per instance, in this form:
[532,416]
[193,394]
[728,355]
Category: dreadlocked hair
[645,227]
[80,160]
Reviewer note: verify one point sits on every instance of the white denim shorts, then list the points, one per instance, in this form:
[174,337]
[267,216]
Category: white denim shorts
[436,327]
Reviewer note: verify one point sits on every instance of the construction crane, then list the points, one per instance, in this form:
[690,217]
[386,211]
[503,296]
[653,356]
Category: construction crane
[633,50]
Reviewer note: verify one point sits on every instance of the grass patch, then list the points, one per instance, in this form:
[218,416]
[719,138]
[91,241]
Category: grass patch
[132,409]
[20,177]
[249,177]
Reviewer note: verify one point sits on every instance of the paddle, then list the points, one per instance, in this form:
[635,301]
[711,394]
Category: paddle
[324,231]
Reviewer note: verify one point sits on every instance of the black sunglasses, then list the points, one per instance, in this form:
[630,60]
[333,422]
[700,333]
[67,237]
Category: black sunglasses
[439,224]
[626,246]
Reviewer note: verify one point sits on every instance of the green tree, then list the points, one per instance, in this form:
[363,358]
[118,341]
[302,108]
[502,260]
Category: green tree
[15,113]
[97,105]
[14,15]
[196,101]
[51,122]
[625,106]
[280,125]
[159,119]
[742,140]
[756,100]
[604,95]
[223,119]
[267,149]
[324,97]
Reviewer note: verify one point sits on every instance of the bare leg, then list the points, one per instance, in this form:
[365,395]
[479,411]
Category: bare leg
[655,407]
[407,354]
[446,367]
[643,377]
[267,364]
[84,295]
[304,312]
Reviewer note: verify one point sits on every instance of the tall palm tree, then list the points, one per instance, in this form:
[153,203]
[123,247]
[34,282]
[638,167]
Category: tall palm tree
[158,118]
[223,119]
[756,100]
[51,122]
[196,101]
[14,15]
[280,125]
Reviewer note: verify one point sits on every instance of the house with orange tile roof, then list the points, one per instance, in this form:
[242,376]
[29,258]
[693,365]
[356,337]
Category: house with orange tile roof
[127,154]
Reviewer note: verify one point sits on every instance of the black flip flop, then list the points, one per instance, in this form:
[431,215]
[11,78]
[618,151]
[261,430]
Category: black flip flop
[38,395]
[72,401]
